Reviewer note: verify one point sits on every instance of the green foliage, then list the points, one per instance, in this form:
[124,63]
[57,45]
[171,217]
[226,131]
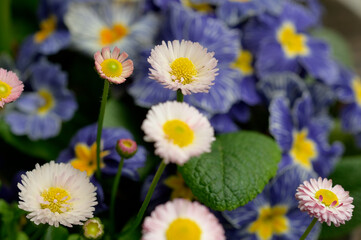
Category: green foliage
[76,237]
[340,49]
[235,172]
[347,174]
[10,216]
[56,233]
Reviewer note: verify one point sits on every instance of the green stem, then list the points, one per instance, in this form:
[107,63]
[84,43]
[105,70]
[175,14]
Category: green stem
[114,194]
[179,96]
[146,201]
[100,125]
[5,26]
[308,230]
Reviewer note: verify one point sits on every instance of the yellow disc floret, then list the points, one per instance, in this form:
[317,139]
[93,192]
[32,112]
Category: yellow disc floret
[244,62]
[271,221]
[112,67]
[47,27]
[5,90]
[293,44]
[183,228]
[303,149]
[48,103]
[56,199]
[183,70]
[328,197]
[113,34]
[178,132]
[356,87]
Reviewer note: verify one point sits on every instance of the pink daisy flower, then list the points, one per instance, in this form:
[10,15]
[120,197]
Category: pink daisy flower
[182,219]
[126,148]
[10,87]
[324,202]
[112,65]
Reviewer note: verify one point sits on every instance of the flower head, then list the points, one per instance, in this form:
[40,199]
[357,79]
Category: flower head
[57,194]
[126,148]
[112,65]
[93,228]
[183,65]
[182,219]
[10,87]
[178,130]
[322,201]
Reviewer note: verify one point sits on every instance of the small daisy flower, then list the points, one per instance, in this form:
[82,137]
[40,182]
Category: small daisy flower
[324,202]
[182,219]
[93,228]
[183,65]
[57,193]
[179,131]
[126,148]
[10,87]
[112,65]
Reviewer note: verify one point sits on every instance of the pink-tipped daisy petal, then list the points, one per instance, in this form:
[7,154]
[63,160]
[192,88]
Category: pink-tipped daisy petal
[324,202]
[112,65]
[10,87]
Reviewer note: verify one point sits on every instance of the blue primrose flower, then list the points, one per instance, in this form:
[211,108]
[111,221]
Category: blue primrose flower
[281,44]
[81,152]
[273,214]
[302,137]
[40,112]
[203,6]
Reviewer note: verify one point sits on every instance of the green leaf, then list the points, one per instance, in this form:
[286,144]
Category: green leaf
[235,172]
[347,174]
[56,233]
[21,236]
[75,237]
[340,48]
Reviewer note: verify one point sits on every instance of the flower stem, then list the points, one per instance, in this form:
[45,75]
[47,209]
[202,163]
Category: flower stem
[308,230]
[179,96]
[100,125]
[146,201]
[114,194]
[5,26]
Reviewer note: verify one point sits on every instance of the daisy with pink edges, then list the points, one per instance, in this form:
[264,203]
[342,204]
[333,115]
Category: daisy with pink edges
[324,202]
[10,87]
[112,66]
[182,219]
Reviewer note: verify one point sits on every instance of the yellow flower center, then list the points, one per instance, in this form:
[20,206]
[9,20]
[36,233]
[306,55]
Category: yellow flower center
[293,44]
[270,221]
[183,70]
[47,27]
[328,198]
[202,7]
[178,132]
[112,67]
[5,90]
[303,149]
[244,62]
[183,228]
[113,34]
[56,199]
[356,87]
[92,229]
[86,158]
[178,186]
[48,101]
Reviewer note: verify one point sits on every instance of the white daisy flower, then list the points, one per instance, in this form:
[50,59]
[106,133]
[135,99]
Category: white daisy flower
[183,65]
[94,26]
[324,202]
[179,131]
[182,219]
[57,193]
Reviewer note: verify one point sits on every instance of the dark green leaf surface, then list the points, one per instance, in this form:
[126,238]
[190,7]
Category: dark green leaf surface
[56,233]
[235,172]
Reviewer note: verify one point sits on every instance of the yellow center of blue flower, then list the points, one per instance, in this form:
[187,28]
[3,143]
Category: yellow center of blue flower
[113,34]
[183,70]
[56,199]
[112,67]
[244,62]
[356,87]
[48,99]
[293,44]
[178,186]
[86,158]
[47,27]
[183,228]
[328,197]
[201,7]
[271,221]
[5,90]
[303,149]
[178,132]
